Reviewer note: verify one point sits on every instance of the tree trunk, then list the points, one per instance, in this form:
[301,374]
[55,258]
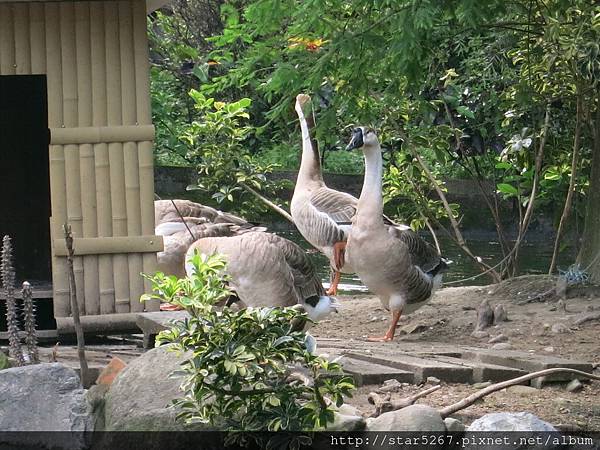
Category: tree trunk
[589,255]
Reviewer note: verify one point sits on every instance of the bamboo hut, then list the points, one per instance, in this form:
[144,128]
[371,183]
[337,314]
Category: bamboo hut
[76,140]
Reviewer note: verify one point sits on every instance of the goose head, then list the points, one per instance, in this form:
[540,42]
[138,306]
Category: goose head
[301,101]
[362,137]
[319,307]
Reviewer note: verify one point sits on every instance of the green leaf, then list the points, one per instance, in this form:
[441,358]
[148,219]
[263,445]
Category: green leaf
[508,189]
[466,112]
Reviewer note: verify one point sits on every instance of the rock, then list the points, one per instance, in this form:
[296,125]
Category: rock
[480,334]
[574,386]
[349,410]
[390,386]
[454,425]
[44,397]
[559,328]
[412,418]
[343,422]
[139,397]
[95,398]
[499,338]
[522,390]
[485,315]
[548,349]
[500,314]
[522,421]
[482,385]
[433,380]
[111,370]
[413,328]
[501,346]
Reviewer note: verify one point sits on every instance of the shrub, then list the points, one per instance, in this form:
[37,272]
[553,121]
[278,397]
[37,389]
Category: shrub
[250,370]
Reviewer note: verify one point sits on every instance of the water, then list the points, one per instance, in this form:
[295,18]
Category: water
[534,258]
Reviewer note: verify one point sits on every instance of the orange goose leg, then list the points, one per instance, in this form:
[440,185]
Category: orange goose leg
[339,252]
[390,332]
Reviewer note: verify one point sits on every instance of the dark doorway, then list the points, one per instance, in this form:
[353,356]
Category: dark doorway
[24,174]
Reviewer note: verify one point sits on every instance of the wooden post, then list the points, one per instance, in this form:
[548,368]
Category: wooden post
[74,305]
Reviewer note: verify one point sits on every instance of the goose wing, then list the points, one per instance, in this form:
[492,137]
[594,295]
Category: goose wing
[303,274]
[325,217]
[422,254]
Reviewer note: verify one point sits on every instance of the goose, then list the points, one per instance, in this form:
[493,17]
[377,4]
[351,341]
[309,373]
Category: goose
[174,210]
[323,215]
[397,266]
[267,270]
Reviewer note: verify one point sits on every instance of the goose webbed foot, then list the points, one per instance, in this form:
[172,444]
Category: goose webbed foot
[334,283]
[389,335]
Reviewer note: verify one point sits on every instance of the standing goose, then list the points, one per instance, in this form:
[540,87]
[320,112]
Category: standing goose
[268,270]
[323,215]
[402,272]
[319,212]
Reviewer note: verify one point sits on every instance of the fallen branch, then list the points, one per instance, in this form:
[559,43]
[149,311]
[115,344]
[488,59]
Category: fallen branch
[468,401]
[588,318]
[385,404]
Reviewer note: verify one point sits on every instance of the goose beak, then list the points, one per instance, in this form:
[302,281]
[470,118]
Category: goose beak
[357,139]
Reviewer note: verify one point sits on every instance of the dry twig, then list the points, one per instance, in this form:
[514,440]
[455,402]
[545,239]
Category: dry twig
[385,404]
[468,401]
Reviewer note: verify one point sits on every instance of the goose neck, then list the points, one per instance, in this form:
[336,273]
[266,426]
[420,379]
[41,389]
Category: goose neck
[370,203]
[310,164]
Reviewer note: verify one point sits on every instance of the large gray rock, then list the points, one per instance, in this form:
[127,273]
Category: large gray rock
[522,421]
[347,418]
[139,398]
[411,418]
[42,397]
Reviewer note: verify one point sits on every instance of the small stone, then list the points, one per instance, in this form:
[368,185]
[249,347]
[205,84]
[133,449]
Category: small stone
[574,386]
[549,349]
[499,338]
[482,384]
[501,346]
[433,380]
[500,314]
[390,386]
[454,425]
[480,334]
[559,328]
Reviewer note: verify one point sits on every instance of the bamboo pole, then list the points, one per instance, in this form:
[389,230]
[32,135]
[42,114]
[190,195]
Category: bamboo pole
[115,154]
[132,178]
[86,155]
[74,306]
[7,47]
[22,45]
[37,38]
[70,120]
[60,282]
[102,173]
[145,154]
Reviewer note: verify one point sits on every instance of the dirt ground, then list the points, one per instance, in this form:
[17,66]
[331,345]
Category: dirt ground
[450,318]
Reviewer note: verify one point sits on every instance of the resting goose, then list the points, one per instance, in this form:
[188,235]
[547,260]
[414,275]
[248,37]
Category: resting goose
[174,210]
[323,215]
[399,267]
[267,270]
